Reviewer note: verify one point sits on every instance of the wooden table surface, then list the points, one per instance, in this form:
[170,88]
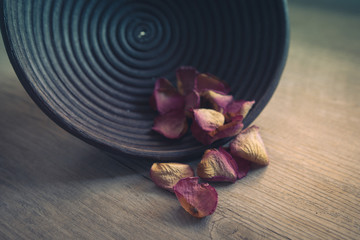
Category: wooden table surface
[54,186]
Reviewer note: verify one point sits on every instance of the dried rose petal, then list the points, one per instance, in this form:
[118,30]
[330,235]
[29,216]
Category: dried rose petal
[172,124]
[240,107]
[200,134]
[225,151]
[186,76]
[208,119]
[207,137]
[243,167]
[230,129]
[217,165]
[216,100]
[166,175]
[192,101]
[165,97]
[206,81]
[199,200]
[249,146]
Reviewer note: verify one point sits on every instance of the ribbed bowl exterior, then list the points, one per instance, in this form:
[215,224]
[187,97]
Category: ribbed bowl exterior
[91,65]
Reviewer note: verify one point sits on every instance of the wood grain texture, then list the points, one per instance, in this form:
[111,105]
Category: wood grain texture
[54,186]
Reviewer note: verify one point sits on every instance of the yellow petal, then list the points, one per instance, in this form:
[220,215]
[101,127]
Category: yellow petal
[166,175]
[249,146]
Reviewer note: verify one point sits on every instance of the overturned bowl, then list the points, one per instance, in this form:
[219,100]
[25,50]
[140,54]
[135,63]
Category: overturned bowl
[91,65]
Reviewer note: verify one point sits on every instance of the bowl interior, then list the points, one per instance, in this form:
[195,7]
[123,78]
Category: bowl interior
[91,65]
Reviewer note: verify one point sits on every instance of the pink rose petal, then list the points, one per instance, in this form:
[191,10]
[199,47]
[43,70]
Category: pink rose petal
[172,124]
[200,134]
[228,156]
[217,165]
[243,167]
[208,119]
[186,76]
[200,200]
[166,175]
[240,107]
[165,97]
[216,100]
[230,129]
[207,137]
[192,101]
[206,81]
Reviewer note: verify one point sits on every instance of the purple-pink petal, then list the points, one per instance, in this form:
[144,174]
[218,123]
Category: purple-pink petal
[186,76]
[228,157]
[230,129]
[200,134]
[239,107]
[172,125]
[192,101]
[207,137]
[206,81]
[165,97]
[200,200]
[243,167]
[216,100]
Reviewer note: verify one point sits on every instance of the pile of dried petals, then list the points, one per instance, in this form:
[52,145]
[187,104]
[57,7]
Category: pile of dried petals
[201,97]
[216,165]
[215,115]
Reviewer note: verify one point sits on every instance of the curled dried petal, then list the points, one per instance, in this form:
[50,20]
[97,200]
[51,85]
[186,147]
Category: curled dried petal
[186,76]
[225,151]
[240,107]
[166,175]
[200,134]
[208,119]
[172,125]
[165,97]
[230,129]
[243,167]
[199,200]
[207,137]
[192,101]
[249,146]
[216,100]
[217,165]
[206,81]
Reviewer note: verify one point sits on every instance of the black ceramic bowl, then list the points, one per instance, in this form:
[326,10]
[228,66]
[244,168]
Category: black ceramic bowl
[91,65]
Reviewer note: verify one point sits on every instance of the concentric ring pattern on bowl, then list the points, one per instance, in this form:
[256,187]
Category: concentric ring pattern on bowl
[91,65]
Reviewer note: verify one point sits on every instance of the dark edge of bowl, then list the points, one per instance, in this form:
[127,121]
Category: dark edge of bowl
[128,152]
[253,114]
